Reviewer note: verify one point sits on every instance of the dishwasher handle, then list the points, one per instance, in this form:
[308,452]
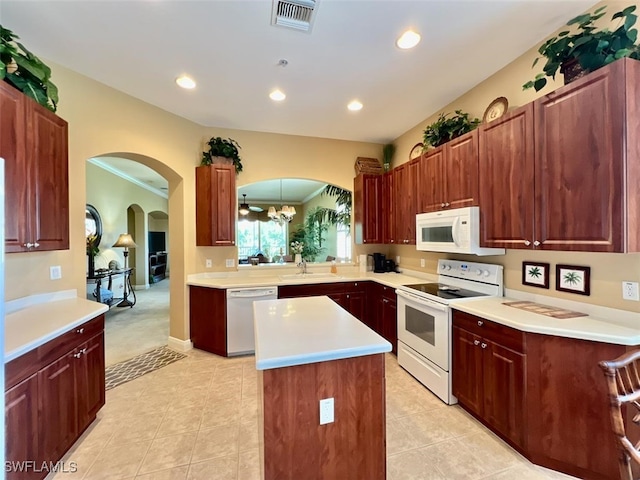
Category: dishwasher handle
[252,292]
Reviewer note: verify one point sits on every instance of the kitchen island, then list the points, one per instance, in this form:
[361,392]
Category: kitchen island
[307,350]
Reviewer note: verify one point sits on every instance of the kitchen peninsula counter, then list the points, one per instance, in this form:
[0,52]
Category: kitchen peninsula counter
[310,349]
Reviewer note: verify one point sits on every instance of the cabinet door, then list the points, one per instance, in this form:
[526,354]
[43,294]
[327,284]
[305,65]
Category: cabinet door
[414,184]
[461,171]
[58,404]
[390,323]
[467,370]
[579,174]
[21,426]
[90,381]
[367,194]
[356,306]
[400,214]
[431,181]
[208,319]
[506,178]
[504,391]
[388,209]
[47,149]
[341,299]
[216,205]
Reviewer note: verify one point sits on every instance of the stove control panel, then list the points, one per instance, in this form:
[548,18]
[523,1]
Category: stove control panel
[480,272]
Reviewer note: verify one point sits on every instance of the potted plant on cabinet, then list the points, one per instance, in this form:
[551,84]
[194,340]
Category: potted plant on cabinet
[220,148]
[447,128]
[23,70]
[588,49]
[388,151]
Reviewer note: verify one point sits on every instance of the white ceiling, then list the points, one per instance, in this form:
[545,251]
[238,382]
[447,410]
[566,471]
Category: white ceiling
[232,51]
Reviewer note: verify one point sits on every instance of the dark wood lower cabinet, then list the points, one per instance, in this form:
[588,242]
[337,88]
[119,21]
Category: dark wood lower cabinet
[382,311]
[544,395]
[52,394]
[208,319]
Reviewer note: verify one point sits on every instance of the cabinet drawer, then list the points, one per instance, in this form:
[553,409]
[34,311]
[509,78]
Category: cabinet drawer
[505,336]
[29,363]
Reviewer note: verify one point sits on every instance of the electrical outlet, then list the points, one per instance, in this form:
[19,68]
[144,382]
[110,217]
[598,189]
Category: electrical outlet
[208,263]
[398,260]
[630,291]
[422,262]
[326,411]
[55,272]
[230,263]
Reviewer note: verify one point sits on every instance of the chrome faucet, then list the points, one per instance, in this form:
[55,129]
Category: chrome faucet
[303,266]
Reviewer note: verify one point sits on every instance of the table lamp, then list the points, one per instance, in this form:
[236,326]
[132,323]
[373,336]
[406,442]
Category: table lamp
[125,241]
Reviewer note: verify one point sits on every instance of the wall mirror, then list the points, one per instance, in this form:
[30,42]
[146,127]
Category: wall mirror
[318,215]
[92,224]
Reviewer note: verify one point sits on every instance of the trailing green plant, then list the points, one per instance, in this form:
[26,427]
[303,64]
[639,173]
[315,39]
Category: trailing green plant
[339,215]
[23,70]
[311,236]
[591,47]
[388,151]
[222,147]
[447,128]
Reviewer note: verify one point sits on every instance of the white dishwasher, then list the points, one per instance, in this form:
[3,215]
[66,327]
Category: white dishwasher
[240,338]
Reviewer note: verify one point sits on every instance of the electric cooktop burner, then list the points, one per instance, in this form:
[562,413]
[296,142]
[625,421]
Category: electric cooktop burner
[444,291]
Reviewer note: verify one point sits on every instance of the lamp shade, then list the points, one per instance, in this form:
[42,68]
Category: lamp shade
[125,240]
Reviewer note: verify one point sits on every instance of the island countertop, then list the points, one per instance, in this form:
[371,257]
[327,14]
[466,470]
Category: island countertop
[298,331]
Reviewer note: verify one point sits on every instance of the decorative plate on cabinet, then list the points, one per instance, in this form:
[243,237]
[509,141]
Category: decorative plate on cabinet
[416,151]
[496,109]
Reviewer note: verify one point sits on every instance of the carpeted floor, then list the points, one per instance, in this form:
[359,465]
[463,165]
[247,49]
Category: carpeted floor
[132,331]
[139,365]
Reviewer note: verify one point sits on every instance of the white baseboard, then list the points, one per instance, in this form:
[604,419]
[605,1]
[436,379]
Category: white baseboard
[144,286]
[179,345]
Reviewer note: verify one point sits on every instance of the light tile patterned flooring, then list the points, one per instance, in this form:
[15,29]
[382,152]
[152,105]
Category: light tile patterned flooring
[197,419]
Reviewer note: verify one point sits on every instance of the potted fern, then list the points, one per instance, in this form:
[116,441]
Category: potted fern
[447,128]
[588,48]
[23,70]
[220,148]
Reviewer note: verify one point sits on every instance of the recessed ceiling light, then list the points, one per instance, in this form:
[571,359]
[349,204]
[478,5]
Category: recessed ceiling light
[277,95]
[354,106]
[186,81]
[408,39]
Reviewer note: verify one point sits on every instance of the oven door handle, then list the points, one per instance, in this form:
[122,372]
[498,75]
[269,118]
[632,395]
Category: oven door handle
[422,301]
[455,229]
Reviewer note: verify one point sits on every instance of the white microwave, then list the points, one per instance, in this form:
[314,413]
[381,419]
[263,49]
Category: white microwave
[452,231]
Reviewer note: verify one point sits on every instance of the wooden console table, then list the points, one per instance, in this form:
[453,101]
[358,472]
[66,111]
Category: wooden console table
[99,276]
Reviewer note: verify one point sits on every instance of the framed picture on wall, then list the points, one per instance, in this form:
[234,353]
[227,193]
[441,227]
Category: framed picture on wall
[573,279]
[535,274]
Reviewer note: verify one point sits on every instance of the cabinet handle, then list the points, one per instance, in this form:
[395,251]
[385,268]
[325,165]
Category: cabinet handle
[348,296]
[80,353]
[527,243]
[476,342]
[442,205]
[364,241]
[447,204]
[80,330]
[480,323]
[536,243]
[385,300]
[484,345]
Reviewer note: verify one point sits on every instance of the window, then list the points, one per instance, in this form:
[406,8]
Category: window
[268,238]
[343,237]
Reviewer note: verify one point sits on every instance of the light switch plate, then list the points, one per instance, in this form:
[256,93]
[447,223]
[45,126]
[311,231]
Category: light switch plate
[55,272]
[398,260]
[208,263]
[326,411]
[422,262]
[230,263]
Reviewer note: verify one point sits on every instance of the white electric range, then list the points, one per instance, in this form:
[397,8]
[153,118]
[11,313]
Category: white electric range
[424,319]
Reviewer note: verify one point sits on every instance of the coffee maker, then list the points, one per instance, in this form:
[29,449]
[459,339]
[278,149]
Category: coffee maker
[379,262]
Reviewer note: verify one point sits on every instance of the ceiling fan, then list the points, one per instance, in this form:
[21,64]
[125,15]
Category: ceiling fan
[245,208]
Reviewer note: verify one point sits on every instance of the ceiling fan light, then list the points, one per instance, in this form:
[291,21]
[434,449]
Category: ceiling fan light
[244,206]
[272,212]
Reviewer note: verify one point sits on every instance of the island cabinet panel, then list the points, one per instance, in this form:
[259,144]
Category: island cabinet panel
[216,205]
[296,446]
[33,142]
[505,175]
[208,319]
[21,419]
[367,205]
[567,403]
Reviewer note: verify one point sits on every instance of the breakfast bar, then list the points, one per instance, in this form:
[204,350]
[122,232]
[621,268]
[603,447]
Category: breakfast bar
[311,352]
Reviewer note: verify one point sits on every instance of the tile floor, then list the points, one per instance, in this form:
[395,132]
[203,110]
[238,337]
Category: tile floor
[197,419]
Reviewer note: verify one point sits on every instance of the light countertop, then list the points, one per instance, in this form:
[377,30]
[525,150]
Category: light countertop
[299,331]
[35,323]
[601,325]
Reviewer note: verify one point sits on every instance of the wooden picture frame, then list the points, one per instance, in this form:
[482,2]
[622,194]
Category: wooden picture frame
[573,279]
[535,274]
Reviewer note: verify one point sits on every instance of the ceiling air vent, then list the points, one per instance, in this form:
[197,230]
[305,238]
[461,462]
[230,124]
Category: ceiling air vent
[297,14]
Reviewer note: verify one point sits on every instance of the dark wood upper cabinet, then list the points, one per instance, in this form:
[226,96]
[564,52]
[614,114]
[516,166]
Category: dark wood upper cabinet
[406,201]
[388,209]
[367,200]
[216,205]
[34,144]
[506,180]
[449,175]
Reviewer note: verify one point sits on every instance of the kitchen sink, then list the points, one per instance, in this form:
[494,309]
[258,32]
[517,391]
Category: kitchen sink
[310,275]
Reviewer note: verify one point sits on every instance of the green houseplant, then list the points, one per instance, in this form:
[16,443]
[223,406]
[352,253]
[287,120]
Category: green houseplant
[587,48]
[222,147]
[388,151]
[447,128]
[23,70]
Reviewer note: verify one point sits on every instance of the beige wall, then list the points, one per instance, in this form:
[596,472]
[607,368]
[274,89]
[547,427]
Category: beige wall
[607,270]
